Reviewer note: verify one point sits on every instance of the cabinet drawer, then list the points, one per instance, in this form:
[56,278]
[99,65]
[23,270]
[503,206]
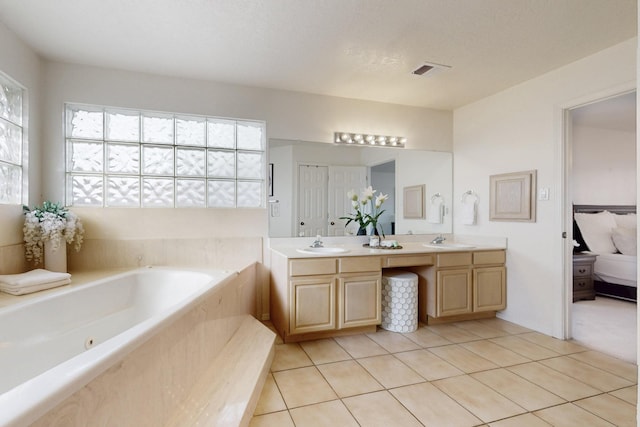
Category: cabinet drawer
[407,260]
[489,257]
[582,270]
[454,259]
[359,264]
[307,267]
[583,284]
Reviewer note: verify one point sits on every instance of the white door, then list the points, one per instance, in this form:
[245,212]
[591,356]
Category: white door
[312,201]
[343,179]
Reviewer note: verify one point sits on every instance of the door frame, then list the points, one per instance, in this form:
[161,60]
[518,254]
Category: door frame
[563,112]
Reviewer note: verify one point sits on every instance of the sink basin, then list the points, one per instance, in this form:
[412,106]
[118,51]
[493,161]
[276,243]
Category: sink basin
[448,245]
[325,250]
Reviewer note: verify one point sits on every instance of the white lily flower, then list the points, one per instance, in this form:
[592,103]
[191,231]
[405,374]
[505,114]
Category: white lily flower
[368,192]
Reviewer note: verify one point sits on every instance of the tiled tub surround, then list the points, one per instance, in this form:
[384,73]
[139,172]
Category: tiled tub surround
[173,376]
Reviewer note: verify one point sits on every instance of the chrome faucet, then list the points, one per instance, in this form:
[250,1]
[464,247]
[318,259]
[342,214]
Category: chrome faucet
[438,240]
[318,242]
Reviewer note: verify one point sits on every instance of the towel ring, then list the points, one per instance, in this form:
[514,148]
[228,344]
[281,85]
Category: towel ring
[436,196]
[467,194]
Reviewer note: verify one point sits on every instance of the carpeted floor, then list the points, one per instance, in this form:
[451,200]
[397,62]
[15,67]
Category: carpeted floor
[607,325]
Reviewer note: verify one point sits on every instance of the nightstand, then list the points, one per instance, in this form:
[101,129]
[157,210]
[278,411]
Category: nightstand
[583,276]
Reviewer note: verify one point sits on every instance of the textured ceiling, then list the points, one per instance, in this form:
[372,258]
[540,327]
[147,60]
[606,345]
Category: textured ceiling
[363,49]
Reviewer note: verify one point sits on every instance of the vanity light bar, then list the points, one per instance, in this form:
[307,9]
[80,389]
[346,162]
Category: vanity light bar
[348,138]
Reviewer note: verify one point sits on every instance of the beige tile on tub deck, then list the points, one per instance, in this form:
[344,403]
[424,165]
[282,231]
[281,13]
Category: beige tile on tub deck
[609,363]
[380,409]
[390,371]
[480,400]
[524,420]
[432,407]
[425,338]
[610,408]
[303,386]
[524,393]
[462,358]
[289,356]
[559,346]
[570,415]
[326,414]
[393,342]
[556,382]
[324,351]
[524,347]
[270,399]
[428,364]
[628,394]
[588,374]
[360,346]
[348,378]
[495,353]
[280,419]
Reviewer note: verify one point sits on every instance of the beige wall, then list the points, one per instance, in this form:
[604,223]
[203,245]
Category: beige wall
[521,129]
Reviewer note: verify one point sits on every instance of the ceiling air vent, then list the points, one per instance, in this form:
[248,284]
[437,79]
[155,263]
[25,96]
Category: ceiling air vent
[429,68]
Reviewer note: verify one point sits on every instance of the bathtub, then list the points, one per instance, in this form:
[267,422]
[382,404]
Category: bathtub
[53,345]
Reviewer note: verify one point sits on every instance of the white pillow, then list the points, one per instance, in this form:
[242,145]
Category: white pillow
[625,240]
[596,230]
[626,220]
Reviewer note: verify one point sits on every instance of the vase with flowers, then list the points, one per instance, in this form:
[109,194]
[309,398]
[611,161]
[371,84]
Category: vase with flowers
[47,229]
[367,210]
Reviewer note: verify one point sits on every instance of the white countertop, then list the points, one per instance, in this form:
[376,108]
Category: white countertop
[413,244]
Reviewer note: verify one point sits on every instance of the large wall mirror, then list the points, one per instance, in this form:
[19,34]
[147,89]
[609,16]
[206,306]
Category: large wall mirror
[310,181]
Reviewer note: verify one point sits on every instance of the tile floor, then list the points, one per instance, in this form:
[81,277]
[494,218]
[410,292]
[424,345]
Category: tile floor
[475,373]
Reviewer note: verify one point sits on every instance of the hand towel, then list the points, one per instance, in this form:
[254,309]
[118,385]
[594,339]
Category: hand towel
[436,212]
[38,276]
[22,290]
[468,211]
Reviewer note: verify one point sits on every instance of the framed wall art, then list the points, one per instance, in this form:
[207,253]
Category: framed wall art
[513,196]
[413,202]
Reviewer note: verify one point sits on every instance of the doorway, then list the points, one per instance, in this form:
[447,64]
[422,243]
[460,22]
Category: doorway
[600,170]
[322,198]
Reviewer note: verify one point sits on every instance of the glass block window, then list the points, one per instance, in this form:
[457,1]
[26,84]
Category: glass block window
[120,157]
[11,142]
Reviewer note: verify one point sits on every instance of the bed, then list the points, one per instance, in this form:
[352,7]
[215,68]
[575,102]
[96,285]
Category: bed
[610,232]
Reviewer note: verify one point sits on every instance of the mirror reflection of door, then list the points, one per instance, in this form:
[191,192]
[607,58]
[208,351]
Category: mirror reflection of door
[312,200]
[343,179]
[383,180]
[322,198]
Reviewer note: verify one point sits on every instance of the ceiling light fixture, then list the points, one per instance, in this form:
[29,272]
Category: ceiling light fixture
[347,138]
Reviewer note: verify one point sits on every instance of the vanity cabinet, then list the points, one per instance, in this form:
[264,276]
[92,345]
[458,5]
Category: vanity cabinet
[322,296]
[463,284]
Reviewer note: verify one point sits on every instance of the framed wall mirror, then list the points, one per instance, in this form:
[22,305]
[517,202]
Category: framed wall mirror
[313,179]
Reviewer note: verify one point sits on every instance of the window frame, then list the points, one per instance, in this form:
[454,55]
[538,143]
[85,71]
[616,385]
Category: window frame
[175,148]
[22,163]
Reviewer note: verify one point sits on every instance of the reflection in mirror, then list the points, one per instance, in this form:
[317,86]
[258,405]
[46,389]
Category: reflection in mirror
[311,180]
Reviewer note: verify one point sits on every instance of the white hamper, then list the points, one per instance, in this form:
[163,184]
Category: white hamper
[399,301]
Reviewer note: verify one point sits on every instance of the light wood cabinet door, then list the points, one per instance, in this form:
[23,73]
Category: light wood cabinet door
[489,289]
[453,290]
[359,301]
[312,305]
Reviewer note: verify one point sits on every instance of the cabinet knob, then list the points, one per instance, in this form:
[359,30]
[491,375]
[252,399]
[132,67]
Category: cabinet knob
[333,223]
[301,222]
[582,270]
